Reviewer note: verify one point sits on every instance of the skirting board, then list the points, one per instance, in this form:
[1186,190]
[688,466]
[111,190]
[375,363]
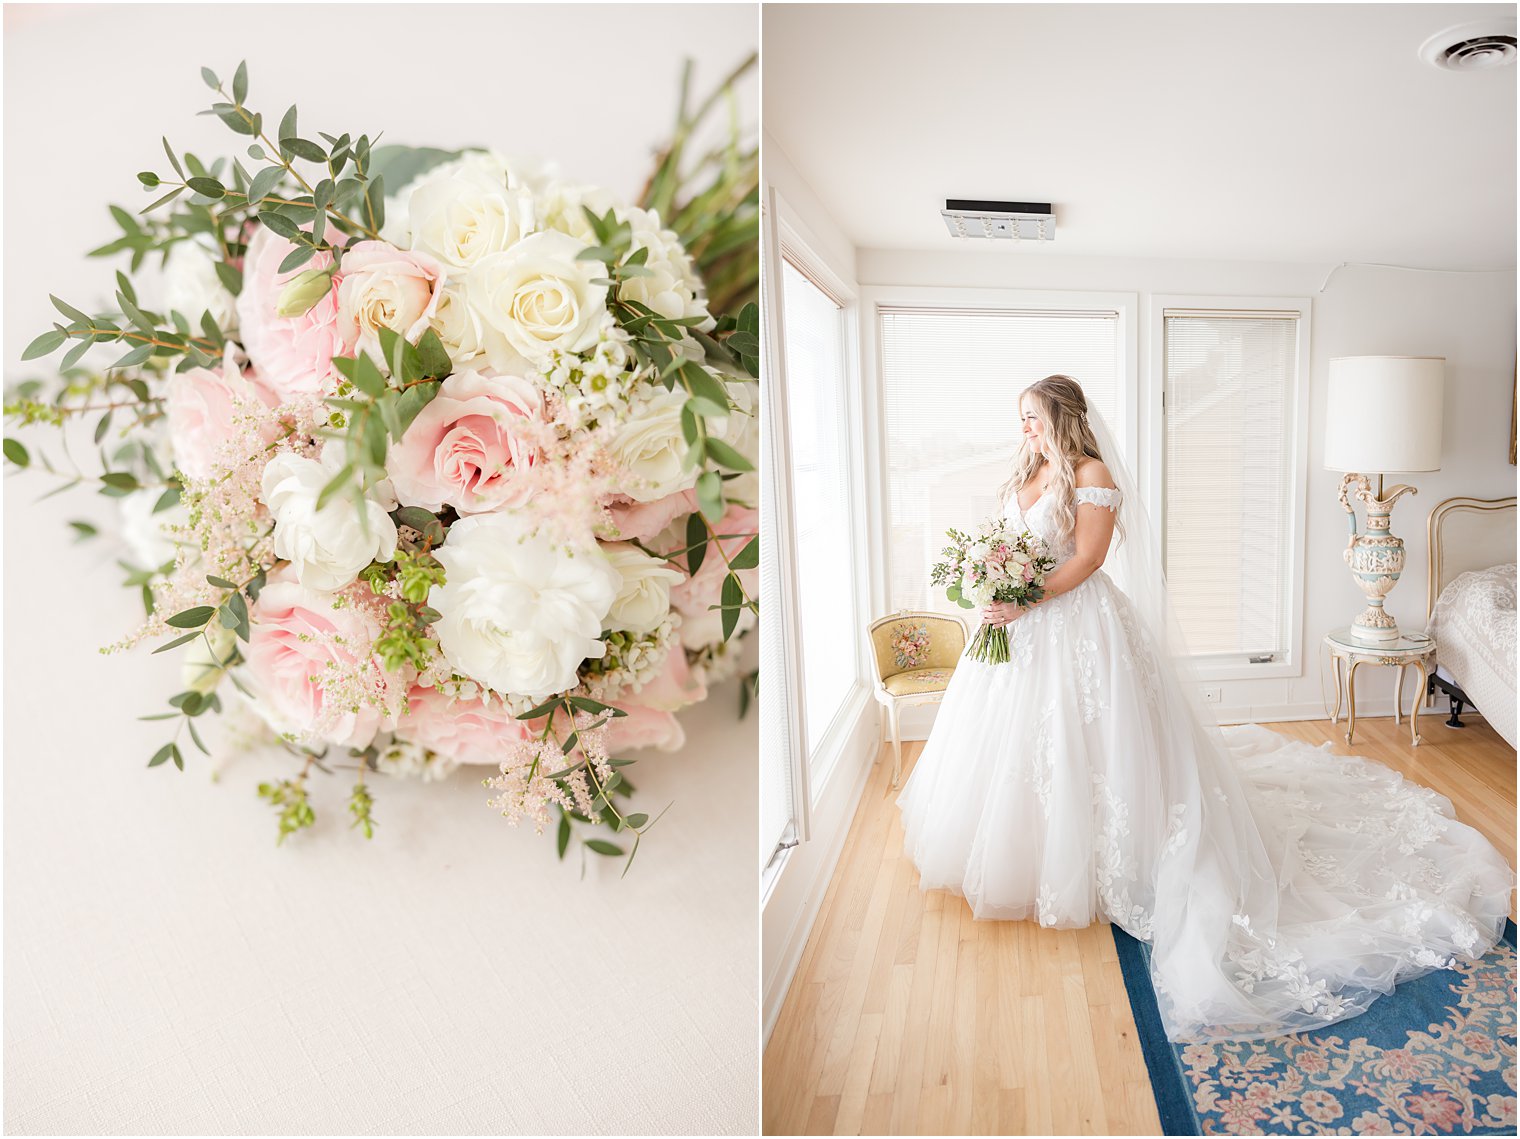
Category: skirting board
[916,722]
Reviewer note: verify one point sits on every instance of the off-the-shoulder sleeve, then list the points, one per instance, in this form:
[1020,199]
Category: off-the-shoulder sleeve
[1099,496]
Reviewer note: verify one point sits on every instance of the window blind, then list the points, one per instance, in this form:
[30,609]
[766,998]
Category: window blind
[952,380]
[1229,383]
[813,332]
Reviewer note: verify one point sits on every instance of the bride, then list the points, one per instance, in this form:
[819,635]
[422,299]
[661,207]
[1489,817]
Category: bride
[1281,887]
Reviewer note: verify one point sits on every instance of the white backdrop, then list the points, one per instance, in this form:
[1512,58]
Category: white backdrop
[167,968]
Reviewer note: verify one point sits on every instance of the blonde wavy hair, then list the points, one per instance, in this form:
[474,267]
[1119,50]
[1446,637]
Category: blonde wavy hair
[1062,407]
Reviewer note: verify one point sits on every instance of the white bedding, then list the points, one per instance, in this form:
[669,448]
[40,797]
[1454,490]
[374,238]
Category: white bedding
[1474,628]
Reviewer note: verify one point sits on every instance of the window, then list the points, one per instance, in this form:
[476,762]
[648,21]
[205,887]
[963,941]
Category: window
[813,340]
[952,379]
[1232,479]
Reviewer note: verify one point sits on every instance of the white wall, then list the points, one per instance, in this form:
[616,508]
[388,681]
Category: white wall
[796,893]
[1467,317]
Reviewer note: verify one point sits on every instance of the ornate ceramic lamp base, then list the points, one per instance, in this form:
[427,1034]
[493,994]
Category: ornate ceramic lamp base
[1376,557]
[1375,627]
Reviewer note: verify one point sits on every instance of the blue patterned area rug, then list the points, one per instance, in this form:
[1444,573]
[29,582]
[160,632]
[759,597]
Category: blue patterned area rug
[1434,1057]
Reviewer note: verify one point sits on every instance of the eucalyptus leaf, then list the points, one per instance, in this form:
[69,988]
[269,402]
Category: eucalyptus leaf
[194,618]
[696,543]
[749,557]
[47,342]
[725,456]
[732,600]
[208,187]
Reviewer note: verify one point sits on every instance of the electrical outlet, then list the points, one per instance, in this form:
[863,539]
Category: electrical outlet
[1213,695]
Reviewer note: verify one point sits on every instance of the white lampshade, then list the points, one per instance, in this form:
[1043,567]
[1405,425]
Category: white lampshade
[1385,414]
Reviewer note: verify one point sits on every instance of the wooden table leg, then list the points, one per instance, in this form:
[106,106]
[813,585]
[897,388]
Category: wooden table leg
[1335,669]
[1351,699]
[1414,712]
[1398,692]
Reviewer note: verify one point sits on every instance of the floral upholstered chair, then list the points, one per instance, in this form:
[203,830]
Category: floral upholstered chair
[915,654]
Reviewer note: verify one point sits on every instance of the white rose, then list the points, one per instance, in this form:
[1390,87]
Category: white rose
[563,208]
[457,326]
[650,447]
[192,287]
[465,210]
[327,547]
[643,600]
[519,613]
[204,663]
[535,299]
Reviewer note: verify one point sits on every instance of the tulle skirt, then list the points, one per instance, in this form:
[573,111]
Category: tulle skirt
[1282,887]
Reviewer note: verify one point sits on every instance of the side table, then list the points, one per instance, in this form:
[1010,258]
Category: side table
[1348,652]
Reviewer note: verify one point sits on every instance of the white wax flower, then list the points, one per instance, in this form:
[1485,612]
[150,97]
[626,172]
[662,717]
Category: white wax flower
[519,612]
[327,547]
[643,600]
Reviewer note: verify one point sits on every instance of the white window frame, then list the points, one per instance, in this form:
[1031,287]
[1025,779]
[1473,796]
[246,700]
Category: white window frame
[873,298]
[1236,666]
[795,245]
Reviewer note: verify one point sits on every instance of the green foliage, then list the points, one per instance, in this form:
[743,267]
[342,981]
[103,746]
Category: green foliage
[712,199]
[289,798]
[360,805]
[380,406]
[164,754]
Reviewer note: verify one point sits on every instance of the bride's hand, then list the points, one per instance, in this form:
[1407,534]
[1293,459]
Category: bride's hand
[1001,613]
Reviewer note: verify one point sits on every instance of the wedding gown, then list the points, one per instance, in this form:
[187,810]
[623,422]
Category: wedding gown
[1281,887]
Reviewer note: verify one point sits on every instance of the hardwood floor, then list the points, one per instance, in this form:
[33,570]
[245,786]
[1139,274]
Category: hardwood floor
[908,1017]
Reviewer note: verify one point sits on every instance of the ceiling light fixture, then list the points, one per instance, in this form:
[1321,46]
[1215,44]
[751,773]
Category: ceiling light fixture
[1010,221]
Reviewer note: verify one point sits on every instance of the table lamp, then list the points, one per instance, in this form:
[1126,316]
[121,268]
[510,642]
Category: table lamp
[1384,416]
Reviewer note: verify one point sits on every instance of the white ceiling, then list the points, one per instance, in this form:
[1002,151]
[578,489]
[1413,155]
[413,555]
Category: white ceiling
[1263,132]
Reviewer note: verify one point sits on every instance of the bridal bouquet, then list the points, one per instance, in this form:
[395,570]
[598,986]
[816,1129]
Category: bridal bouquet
[992,565]
[436,458]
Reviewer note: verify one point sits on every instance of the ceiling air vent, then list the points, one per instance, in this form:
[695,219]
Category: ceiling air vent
[1472,47]
[1010,221]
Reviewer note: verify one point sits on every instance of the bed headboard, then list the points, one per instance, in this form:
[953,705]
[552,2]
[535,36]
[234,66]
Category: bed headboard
[1467,534]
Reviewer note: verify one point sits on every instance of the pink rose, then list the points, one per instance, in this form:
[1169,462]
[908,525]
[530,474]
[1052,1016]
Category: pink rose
[380,286]
[311,666]
[702,626]
[207,410]
[644,727]
[473,447]
[639,521]
[468,731]
[293,354]
[674,688]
